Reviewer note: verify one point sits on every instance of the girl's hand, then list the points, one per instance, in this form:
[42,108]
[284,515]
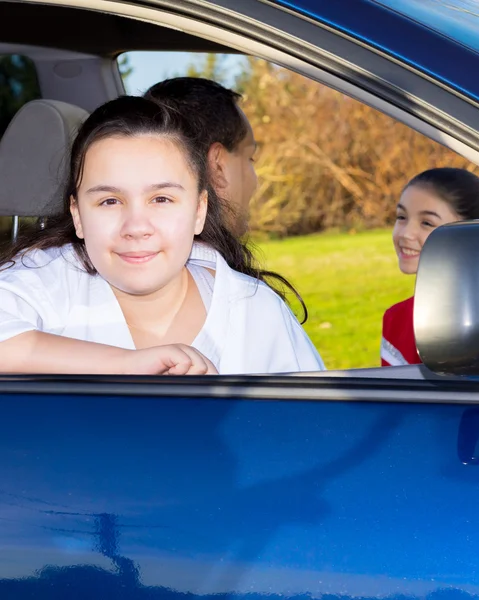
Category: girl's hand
[173,359]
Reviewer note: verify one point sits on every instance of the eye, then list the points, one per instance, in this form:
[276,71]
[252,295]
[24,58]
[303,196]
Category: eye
[400,218]
[109,202]
[161,200]
[428,224]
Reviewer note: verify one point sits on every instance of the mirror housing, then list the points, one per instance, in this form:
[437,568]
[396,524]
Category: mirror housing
[446,300]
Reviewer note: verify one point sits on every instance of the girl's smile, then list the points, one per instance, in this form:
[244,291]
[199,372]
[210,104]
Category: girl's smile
[137,258]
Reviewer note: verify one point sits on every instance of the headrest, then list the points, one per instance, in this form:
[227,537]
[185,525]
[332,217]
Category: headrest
[34,157]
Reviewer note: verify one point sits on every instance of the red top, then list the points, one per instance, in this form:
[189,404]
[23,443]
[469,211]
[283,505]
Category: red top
[398,346]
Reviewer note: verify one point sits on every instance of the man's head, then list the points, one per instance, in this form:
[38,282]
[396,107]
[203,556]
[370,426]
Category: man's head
[223,130]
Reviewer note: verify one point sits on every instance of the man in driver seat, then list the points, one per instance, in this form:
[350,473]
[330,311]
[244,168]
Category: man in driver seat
[222,129]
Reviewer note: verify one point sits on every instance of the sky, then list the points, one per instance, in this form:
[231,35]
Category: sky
[150,67]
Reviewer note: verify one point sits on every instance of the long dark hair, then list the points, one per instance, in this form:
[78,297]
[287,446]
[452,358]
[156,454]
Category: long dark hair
[129,116]
[457,187]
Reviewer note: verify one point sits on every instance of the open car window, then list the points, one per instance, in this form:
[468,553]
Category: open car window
[331,171]
[317,197]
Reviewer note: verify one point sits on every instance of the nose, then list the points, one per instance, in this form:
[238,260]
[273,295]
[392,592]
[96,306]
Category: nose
[136,223]
[410,230]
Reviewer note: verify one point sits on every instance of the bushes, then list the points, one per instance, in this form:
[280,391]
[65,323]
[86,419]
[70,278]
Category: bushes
[324,159]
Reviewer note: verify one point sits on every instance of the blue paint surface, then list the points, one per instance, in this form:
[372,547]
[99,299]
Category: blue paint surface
[158,498]
[427,34]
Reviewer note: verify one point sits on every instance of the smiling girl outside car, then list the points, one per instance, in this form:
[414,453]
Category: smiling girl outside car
[432,198]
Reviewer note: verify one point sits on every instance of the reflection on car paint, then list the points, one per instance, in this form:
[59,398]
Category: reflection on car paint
[124,497]
[417,44]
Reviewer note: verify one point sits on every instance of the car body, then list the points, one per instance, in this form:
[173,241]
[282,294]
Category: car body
[340,484]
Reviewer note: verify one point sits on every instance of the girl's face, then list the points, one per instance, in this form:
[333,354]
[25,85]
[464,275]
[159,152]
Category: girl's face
[138,209]
[419,212]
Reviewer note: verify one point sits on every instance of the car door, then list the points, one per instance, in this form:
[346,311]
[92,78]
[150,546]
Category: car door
[341,485]
[276,487]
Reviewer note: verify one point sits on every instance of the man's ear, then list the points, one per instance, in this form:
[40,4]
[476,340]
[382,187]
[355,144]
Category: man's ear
[76,217]
[218,164]
[201,212]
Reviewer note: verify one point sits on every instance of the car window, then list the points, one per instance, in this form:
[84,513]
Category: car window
[140,70]
[331,171]
[18,85]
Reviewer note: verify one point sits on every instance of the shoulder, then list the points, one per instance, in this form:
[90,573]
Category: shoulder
[273,329]
[59,257]
[238,287]
[264,336]
[400,310]
[398,346]
[244,288]
[243,292]
[49,268]
[263,305]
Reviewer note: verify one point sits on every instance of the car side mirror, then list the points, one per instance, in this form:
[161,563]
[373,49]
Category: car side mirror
[446,300]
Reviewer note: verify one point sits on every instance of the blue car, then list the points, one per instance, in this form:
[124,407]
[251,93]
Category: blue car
[336,485]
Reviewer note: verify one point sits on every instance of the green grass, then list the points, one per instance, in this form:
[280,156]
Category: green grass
[347,282]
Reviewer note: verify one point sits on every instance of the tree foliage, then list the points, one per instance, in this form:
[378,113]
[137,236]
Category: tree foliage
[125,67]
[324,159]
[211,66]
[18,85]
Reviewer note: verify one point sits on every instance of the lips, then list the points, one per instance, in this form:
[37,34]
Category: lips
[137,257]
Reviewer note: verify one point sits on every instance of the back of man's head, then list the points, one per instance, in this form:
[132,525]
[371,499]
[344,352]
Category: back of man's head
[211,108]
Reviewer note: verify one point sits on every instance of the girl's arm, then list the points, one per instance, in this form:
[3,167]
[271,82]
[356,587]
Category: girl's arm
[38,352]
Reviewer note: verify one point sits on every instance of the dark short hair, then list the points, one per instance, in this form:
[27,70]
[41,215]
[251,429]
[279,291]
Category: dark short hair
[457,187]
[211,109]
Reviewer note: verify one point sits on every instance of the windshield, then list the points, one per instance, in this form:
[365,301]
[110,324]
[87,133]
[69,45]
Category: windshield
[457,19]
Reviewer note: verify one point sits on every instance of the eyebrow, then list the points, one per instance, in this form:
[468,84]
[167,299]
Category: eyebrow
[430,213]
[150,188]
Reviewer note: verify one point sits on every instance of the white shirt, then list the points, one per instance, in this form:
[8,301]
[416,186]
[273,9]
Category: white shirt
[248,328]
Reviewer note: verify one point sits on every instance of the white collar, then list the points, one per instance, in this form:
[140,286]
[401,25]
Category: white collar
[204,255]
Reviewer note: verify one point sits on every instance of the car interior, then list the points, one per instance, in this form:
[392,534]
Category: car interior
[74,53]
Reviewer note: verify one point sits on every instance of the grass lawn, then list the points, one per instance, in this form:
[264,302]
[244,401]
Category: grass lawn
[347,282]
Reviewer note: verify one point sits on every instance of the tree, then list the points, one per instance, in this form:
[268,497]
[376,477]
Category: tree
[125,67]
[18,85]
[326,160]
[210,66]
